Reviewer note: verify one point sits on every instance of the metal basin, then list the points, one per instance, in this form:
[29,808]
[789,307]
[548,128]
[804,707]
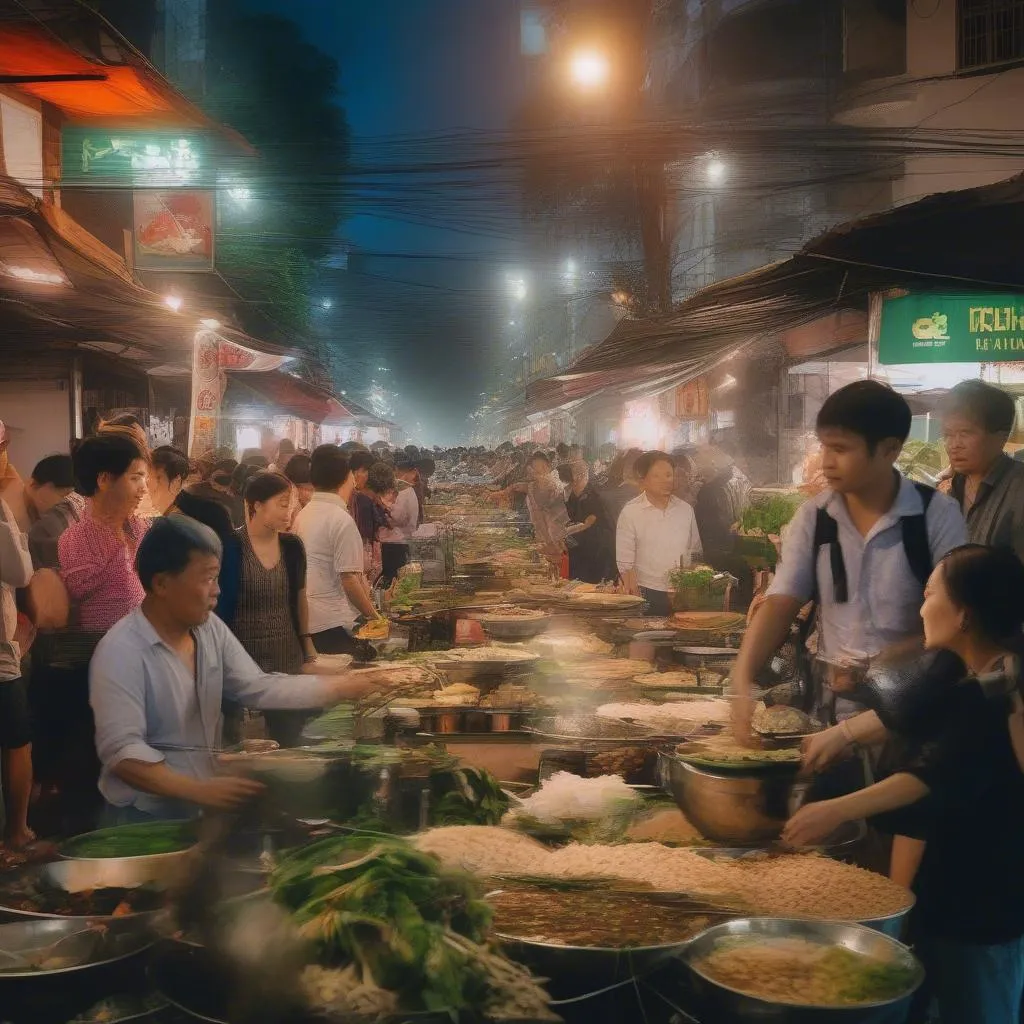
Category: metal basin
[721,1003]
[572,969]
[735,808]
[507,628]
[74,944]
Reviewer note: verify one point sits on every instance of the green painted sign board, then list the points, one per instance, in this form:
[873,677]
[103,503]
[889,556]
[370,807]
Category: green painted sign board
[934,327]
[139,159]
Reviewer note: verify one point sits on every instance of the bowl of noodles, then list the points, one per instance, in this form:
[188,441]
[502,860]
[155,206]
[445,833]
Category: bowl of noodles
[801,971]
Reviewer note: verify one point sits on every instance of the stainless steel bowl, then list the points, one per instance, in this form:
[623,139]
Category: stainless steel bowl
[514,628]
[736,808]
[79,876]
[574,968]
[74,944]
[720,1002]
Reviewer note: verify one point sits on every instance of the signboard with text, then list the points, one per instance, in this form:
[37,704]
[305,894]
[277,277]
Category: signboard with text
[952,328]
[139,159]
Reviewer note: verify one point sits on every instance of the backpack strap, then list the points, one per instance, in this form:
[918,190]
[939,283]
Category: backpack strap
[826,531]
[916,545]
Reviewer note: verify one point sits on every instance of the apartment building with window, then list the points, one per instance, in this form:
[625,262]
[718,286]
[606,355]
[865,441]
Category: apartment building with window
[951,69]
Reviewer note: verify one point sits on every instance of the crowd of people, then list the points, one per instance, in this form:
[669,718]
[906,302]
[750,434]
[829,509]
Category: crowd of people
[117,684]
[906,603]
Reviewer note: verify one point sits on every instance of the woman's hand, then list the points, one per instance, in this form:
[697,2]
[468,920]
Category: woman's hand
[823,749]
[813,823]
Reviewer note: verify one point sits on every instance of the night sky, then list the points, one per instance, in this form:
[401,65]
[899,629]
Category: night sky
[410,67]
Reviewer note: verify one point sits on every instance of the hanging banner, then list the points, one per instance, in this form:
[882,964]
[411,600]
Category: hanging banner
[691,400]
[173,229]
[952,328]
[207,390]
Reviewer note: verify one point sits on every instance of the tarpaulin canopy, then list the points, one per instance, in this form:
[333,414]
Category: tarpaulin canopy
[108,80]
[963,239]
[288,393]
[59,285]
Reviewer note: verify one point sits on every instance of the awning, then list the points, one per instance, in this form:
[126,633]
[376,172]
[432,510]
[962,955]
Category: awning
[966,239]
[59,285]
[109,82]
[290,394]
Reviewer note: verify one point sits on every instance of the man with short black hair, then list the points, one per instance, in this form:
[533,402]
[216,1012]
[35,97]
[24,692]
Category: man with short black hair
[847,548]
[977,420]
[336,587]
[157,680]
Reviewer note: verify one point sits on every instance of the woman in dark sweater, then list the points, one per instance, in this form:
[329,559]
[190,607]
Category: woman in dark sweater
[265,603]
[591,537]
[954,799]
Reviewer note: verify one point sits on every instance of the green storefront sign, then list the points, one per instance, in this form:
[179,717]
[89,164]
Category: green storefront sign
[135,159]
[952,328]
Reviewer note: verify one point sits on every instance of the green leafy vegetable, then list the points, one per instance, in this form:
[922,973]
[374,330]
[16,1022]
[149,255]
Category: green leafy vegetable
[141,840]
[768,514]
[407,923]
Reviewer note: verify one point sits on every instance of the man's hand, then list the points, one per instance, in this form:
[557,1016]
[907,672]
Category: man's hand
[824,748]
[742,715]
[355,685]
[813,823]
[226,792]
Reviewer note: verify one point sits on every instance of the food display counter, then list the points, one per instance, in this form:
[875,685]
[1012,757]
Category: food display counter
[549,793]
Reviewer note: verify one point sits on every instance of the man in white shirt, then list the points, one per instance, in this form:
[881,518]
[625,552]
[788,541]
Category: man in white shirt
[336,586]
[403,517]
[656,534]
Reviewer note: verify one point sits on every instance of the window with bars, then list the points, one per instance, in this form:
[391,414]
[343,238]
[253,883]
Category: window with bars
[991,32]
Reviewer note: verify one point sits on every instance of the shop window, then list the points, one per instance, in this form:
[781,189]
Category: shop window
[990,32]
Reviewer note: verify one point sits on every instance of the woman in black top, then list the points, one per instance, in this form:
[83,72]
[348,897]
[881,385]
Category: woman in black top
[266,606]
[955,801]
[591,537]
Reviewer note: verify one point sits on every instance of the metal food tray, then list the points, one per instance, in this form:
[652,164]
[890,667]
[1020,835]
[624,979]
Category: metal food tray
[543,728]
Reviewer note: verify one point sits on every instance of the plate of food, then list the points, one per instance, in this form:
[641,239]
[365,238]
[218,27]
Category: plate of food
[723,752]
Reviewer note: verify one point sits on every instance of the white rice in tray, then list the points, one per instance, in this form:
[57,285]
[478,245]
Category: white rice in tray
[484,849]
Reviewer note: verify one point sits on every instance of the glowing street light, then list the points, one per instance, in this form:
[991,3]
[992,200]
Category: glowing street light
[590,69]
[716,170]
[174,302]
[326,303]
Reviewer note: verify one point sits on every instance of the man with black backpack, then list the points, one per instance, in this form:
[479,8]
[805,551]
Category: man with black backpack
[861,551]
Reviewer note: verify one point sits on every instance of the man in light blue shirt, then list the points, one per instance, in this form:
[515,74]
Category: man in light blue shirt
[862,429]
[157,679]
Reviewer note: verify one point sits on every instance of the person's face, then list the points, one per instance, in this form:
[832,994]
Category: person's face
[125,492]
[190,596]
[943,620]
[846,463]
[539,470]
[162,490]
[361,475]
[971,448]
[304,493]
[660,480]
[42,497]
[274,514]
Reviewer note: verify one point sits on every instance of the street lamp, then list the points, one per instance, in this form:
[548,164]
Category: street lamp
[716,171]
[174,302]
[590,69]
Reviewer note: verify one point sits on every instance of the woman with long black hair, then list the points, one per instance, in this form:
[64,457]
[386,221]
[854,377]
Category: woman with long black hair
[954,796]
[267,609]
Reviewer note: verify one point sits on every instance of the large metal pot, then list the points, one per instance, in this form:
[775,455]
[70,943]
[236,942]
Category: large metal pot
[718,1002]
[736,808]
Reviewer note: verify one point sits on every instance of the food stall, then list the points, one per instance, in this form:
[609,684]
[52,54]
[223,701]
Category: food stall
[547,792]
